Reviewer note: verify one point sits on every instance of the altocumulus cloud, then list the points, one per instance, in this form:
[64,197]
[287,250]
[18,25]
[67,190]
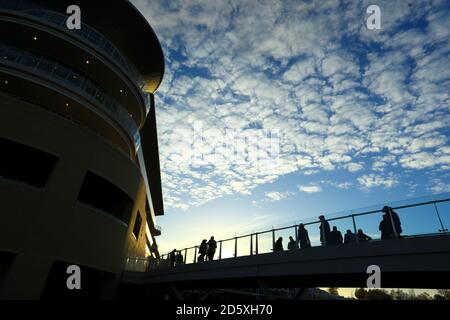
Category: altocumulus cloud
[277,196]
[310,188]
[341,97]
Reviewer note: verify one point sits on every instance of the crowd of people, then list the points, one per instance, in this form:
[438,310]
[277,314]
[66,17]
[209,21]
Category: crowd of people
[207,250]
[390,228]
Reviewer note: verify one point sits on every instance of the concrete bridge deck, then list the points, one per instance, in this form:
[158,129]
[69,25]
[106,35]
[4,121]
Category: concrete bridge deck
[410,262]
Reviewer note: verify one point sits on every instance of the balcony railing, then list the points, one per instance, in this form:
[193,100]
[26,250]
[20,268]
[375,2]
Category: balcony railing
[419,217]
[62,74]
[156,230]
[86,33]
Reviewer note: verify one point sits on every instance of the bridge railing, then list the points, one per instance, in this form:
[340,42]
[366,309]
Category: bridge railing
[419,217]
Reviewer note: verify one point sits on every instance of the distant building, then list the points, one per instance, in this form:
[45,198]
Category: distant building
[79,160]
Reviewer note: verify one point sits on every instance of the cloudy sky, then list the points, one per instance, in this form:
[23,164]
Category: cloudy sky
[276,111]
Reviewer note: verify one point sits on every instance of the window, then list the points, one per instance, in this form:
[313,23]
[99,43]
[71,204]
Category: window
[25,164]
[75,78]
[100,95]
[61,71]
[94,37]
[108,47]
[90,88]
[30,59]
[102,194]
[47,65]
[11,55]
[137,225]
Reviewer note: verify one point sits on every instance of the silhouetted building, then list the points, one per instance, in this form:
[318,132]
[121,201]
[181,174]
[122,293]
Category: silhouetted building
[79,165]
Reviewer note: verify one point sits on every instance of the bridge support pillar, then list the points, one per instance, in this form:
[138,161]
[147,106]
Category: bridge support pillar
[298,295]
[265,289]
[206,294]
[178,294]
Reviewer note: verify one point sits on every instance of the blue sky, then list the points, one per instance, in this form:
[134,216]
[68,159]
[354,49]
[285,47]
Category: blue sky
[355,117]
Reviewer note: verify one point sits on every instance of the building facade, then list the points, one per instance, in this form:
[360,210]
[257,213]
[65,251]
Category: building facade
[79,161]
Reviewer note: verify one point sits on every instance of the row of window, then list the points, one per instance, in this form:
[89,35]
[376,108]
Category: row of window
[29,165]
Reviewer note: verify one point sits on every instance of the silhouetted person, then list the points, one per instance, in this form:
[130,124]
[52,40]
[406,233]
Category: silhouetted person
[212,246]
[391,224]
[349,237]
[303,237]
[172,257]
[151,263]
[203,249]
[180,258]
[324,231]
[336,236]
[292,244]
[386,228]
[278,245]
[363,237]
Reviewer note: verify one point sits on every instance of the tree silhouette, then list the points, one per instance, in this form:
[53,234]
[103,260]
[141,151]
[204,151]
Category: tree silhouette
[361,294]
[445,293]
[378,294]
[333,291]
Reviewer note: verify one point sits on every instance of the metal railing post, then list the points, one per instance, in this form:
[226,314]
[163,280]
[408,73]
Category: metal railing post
[354,228]
[185,255]
[392,222]
[256,243]
[235,247]
[296,234]
[273,240]
[322,233]
[220,249]
[439,217]
[195,254]
[251,244]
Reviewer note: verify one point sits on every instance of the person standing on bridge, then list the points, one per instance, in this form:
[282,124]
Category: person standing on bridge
[362,237]
[173,257]
[391,225]
[349,237]
[212,246]
[336,236]
[292,244]
[278,245]
[203,250]
[324,231]
[180,258]
[303,237]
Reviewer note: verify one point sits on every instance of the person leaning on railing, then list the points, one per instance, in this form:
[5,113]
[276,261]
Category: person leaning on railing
[303,237]
[390,226]
[349,237]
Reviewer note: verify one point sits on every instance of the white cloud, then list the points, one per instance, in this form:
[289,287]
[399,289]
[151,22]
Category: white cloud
[300,70]
[438,186]
[354,167]
[286,68]
[423,160]
[277,196]
[373,180]
[310,188]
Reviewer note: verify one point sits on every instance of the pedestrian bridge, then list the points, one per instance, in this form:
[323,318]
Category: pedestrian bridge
[409,261]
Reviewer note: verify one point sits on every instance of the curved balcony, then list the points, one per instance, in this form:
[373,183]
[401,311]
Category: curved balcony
[77,81]
[86,34]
